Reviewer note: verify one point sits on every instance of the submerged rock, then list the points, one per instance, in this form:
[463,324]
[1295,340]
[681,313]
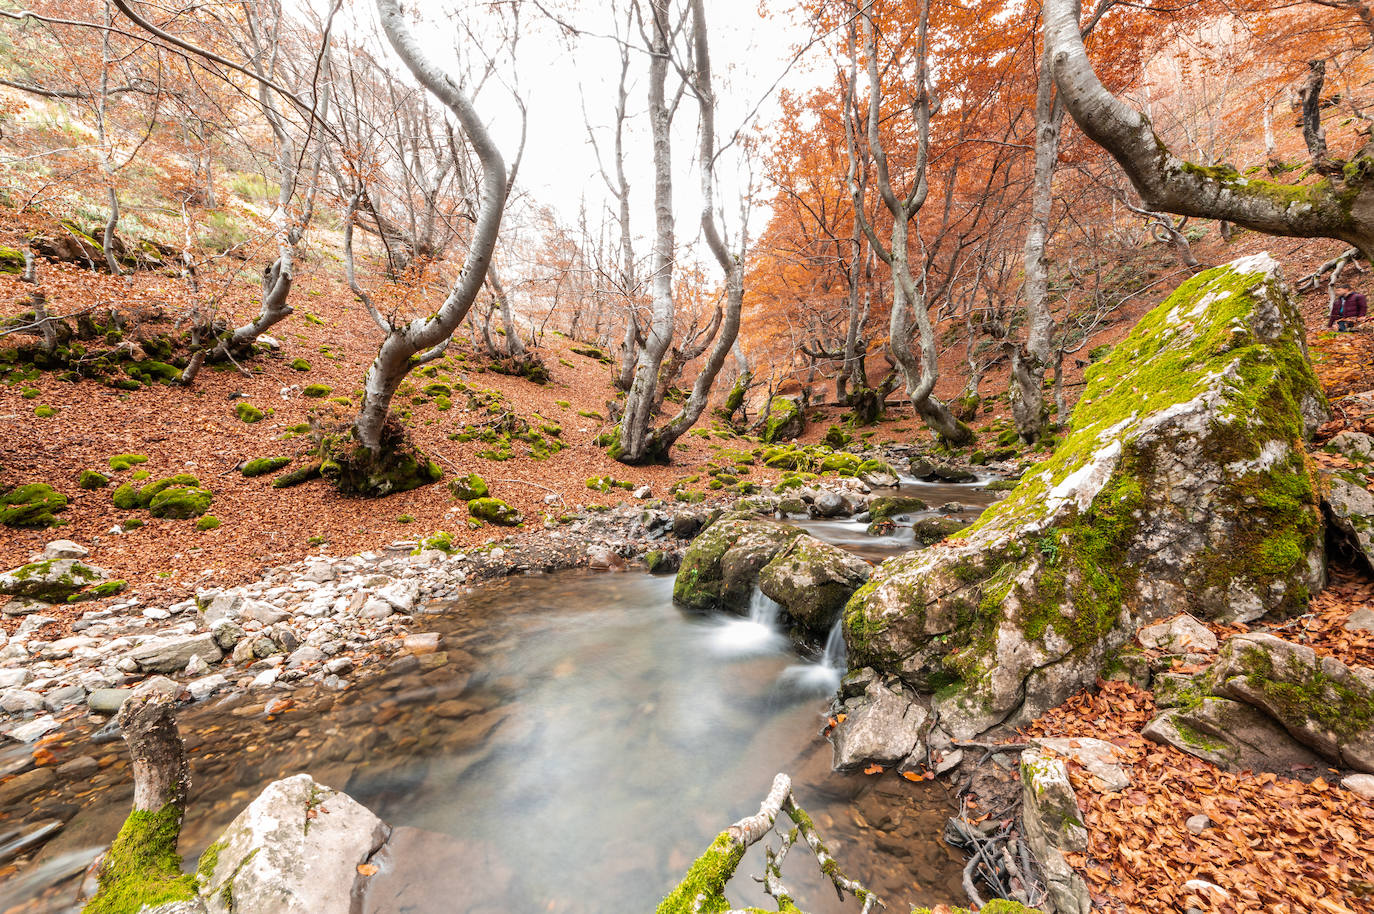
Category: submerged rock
[1180,486]
[813,580]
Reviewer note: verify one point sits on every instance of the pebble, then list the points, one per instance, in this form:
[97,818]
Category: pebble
[1198,824]
[1363,784]
[421,643]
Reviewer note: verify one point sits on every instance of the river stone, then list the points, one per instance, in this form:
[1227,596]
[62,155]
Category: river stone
[720,567]
[1053,826]
[1181,486]
[813,580]
[296,849]
[885,727]
[1320,701]
[170,655]
[107,701]
[1349,509]
[1230,734]
[50,580]
[25,785]
[20,701]
[831,504]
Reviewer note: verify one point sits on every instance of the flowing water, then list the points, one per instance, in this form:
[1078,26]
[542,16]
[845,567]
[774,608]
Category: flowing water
[580,743]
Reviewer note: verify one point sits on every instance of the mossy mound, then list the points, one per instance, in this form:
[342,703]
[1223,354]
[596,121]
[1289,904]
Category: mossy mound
[32,505]
[1181,485]
[99,591]
[469,487]
[786,420]
[890,506]
[180,502]
[121,462]
[247,412]
[397,466]
[300,365]
[150,371]
[208,522]
[45,411]
[260,466]
[494,511]
[317,390]
[91,479]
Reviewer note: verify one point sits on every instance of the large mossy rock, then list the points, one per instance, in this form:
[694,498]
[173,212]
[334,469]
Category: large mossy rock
[50,580]
[786,420]
[722,565]
[813,580]
[1181,485]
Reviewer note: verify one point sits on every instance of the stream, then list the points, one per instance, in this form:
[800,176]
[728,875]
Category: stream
[575,745]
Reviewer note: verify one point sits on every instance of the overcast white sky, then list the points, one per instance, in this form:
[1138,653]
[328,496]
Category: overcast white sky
[749,54]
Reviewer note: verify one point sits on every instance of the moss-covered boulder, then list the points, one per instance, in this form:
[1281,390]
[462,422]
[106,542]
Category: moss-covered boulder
[721,566]
[247,412]
[469,487]
[129,496]
[887,507]
[51,580]
[812,580]
[260,466]
[1181,485]
[297,476]
[32,505]
[180,502]
[878,473]
[494,511]
[930,530]
[786,420]
[121,462]
[93,479]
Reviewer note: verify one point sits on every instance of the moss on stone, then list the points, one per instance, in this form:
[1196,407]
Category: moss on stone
[469,487]
[247,412]
[888,506]
[785,420]
[440,540]
[297,476]
[260,466]
[1309,694]
[397,465]
[151,371]
[300,365]
[494,511]
[32,505]
[120,462]
[142,867]
[208,522]
[317,390]
[99,591]
[180,502]
[45,411]
[91,479]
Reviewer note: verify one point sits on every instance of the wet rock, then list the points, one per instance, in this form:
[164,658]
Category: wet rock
[1230,734]
[950,473]
[921,468]
[170,655]
[61,697]
[878,474]
[296,849]
[202,688]
[721,566]
[1031,605]
[929,530]
[685,525]
[813,580]
[33,730]
[885,726]
[886,507]
[417,866]
[19,701]
[25,785]
[604,558]
[78,769]
[831,504]
[1054,826]
[1320,701]
[1179,635]
[421,643]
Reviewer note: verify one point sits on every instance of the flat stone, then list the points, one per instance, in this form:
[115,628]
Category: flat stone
[78,769]
[170,655]
[59,698]
[20,701]
[202,688]
[1232,735]
[51,580]
[22,606]
[1100,758]
[1197,824]
[13,677]
[25,785]
[304,656]
[33,730]
[421,642]
[1361,620]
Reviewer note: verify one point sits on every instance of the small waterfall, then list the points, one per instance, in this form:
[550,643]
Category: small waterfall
[758,633]
[836,656]
[763,610]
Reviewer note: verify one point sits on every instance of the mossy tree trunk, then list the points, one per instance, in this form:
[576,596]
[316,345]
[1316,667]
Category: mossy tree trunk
[142,866]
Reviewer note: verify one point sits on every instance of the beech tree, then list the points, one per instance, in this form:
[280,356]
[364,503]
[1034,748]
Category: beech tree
[1338,205]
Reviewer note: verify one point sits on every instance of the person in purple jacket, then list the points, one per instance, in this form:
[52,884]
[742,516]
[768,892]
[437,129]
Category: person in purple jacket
[1347,309]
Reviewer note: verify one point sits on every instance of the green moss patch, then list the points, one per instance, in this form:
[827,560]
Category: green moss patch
[494,511]
[91,479]
[260,466]
[208,522]
[142,866]
[32,505]
[317,390]
[120,462]
[247,412]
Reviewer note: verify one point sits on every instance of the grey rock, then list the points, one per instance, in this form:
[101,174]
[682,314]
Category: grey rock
[13,677]
[61,697]
[37,728]
[196,666]
[1100,758]
[1363,784]
[1335,721]
[269,863]
[285,638]
[202,688]
[107,701]
[25,785]
[339,666]
[813,580]
[1232,735]
[1053,826]
[831,504]
[885,727]
[170,655]
[19,701]
[22,606]
[1180,635]
[243,652]
[304,656]
[1358,446]
[1361,620]
[227,633]
[1198,824]
[1349,509]
[262,612]
[51,580]
[224,605]
[65,549]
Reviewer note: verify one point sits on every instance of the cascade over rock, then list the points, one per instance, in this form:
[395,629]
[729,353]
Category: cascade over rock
[1181,485]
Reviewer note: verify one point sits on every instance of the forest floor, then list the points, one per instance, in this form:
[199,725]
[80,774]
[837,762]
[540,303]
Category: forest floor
[1278,844]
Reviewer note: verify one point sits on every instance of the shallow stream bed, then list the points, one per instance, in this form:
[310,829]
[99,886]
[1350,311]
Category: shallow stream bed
[576,743]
